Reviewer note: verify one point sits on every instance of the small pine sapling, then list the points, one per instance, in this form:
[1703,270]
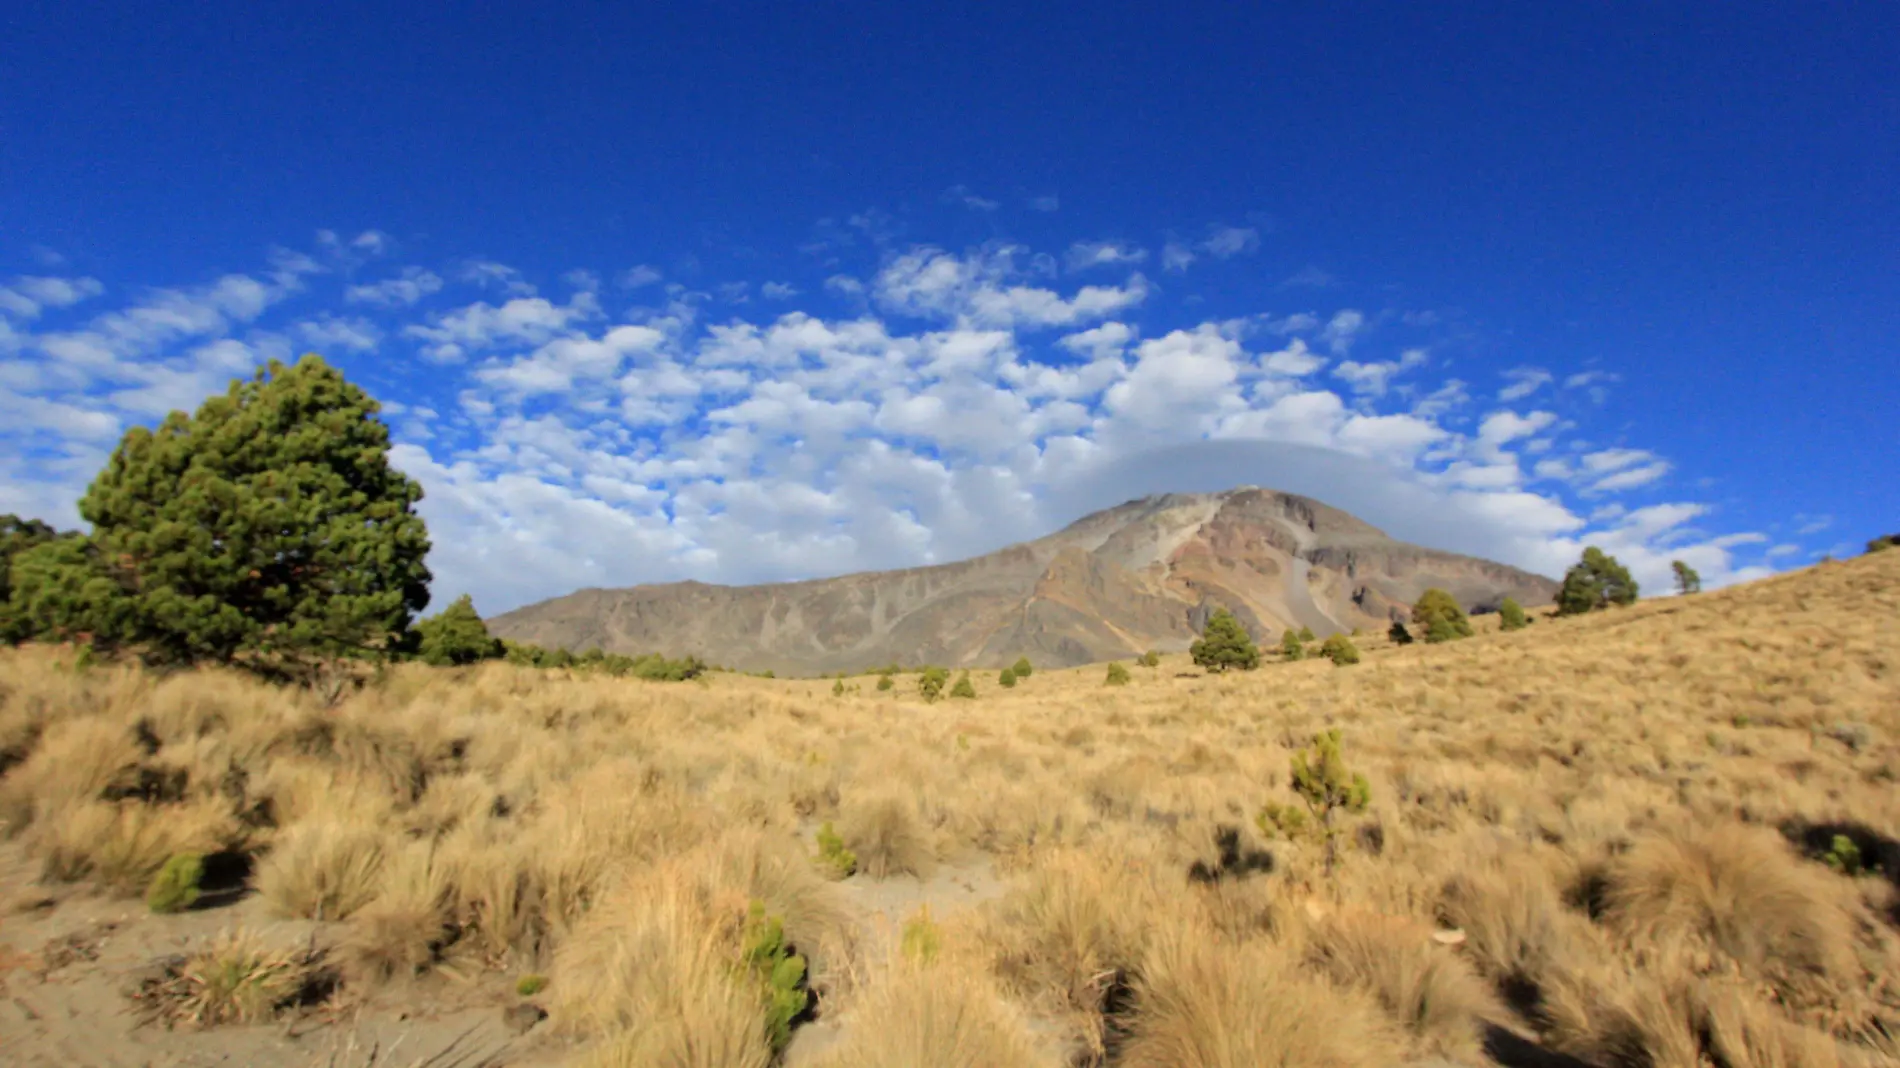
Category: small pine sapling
[884,682]
[1329,788]
[1151,658]
[1117,674]
[837,688]
[833,855]
[922,938]
[964,688]
[1022,667]
[1307,635]
[779,973]
[1290,646]
[1511,615]
[1007,679]
[931,682]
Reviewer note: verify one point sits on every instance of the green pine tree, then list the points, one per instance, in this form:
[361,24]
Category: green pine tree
[931,682]
[18,535]
[964,688]
[1117,674]
[1224,644]
[1687,581]
[267,530]
[1007,680]
[456,635]
[1290,646]
[1307,635]
[1511,615]
[1597,581]
[1438,615]
[1022,667]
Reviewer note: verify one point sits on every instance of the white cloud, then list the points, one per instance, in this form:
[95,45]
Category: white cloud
[27,297]
[1524,381]
[961,194]
[932,283]
[778,291]
[1309,277]
[1085,254]
[1045,203]
[639,276]
[1343,329]
[479,326]
[1812,524]
[1784,550]
[1176,257]
[411,286]
[1631,478]
[1294,360]
[1606,460]
[1226,242]
[332,331]
[1372,378]
[1182,370]
[489,274]
[1101,342]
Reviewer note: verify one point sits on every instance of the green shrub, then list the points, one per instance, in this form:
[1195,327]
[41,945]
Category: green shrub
[1340,650]
[837,688]
[884,682]
[1307,635]
[1398,634]
[1883,543]
[1511,615]
[1329,788]
[1022,667]
[1438,615]
[779,973]
[833,855]
[931,682]
[174,888]
[1290,646]
[1117,674]
[529,985]
[964,688]
[1151,658]
[1007,680]
[1597,581]
[1223,644]
[1687,580]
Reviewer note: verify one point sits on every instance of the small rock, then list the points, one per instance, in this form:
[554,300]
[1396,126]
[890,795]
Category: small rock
[140,980]
[523,1017]
[1449,938]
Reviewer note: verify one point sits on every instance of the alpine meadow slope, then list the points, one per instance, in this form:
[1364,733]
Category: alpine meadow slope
[1143,575]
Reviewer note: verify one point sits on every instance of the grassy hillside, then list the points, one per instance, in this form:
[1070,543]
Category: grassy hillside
[1630,837]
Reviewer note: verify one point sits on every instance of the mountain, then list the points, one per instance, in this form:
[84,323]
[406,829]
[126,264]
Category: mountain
[1142,575]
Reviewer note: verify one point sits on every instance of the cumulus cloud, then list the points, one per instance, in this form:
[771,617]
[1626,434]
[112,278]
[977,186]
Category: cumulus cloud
[27,297]
[1085,254]
[408,288]
[965,402]
[1226,242]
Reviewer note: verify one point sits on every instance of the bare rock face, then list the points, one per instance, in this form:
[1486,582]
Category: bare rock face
[1142,575]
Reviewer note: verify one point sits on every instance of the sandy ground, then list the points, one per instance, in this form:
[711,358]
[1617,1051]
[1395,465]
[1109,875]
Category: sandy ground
[67,957]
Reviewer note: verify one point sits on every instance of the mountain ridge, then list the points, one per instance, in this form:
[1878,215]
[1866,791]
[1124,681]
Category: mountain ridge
[1142,574]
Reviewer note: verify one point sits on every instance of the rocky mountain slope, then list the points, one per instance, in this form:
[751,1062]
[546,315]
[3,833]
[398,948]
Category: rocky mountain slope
[1142,575]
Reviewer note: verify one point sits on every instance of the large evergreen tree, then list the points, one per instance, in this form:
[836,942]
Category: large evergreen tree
[1596,581]
[457,635]
[267,530]
[17,535]
[1224,643]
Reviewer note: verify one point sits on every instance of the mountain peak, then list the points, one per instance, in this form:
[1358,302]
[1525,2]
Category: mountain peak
[1142,574]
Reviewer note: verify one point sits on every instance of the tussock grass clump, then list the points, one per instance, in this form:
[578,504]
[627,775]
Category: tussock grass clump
[925,1017]
[1425,988]
[322,870]
[1203,1005]
[888,836]
[240,978]
[121,846]
[404,928]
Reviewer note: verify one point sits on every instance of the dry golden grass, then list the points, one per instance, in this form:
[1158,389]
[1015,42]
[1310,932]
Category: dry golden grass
[1617,813]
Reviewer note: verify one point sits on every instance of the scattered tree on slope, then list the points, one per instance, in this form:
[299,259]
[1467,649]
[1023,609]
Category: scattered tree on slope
[1224,643]
[1597,581]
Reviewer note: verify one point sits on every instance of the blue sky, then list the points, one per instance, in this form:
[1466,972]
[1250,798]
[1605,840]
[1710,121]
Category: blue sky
[751,292]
